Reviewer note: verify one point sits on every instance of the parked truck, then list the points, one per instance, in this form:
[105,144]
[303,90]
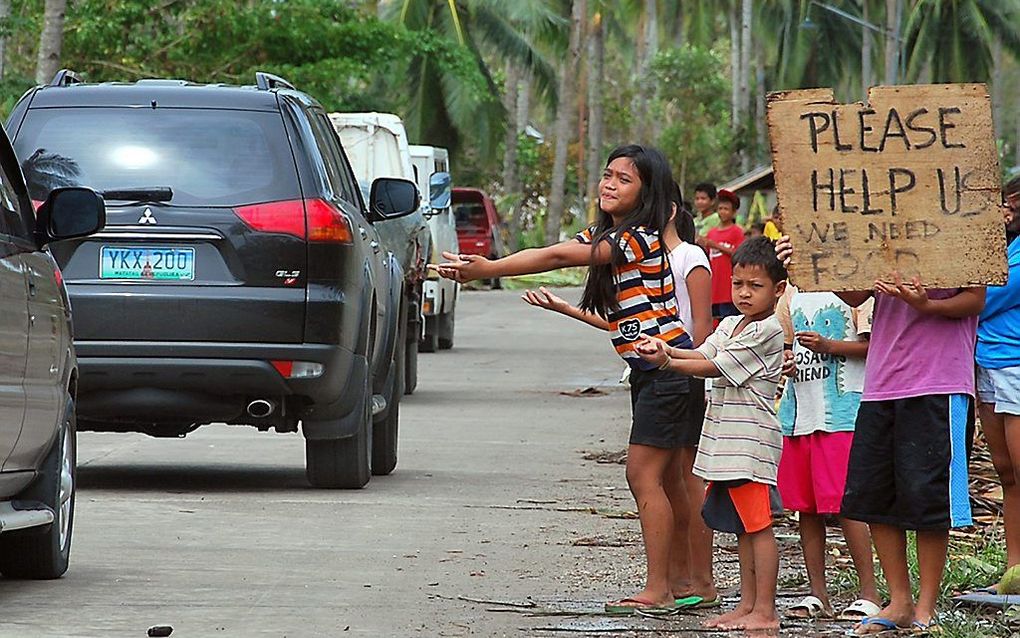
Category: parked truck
[432,174]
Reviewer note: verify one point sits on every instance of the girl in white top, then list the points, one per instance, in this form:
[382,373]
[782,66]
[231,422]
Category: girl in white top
[691,560]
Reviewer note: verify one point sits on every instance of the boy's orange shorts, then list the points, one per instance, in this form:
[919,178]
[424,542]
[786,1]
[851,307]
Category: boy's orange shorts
[740,507]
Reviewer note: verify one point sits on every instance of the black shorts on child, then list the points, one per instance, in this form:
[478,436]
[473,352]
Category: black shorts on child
[659,404]
[908,463]
[740,507]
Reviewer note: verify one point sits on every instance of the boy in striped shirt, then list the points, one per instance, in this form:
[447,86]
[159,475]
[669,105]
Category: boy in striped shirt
[741,441]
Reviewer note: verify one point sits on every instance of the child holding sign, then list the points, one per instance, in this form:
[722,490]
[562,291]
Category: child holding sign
[829,340]
[908,461]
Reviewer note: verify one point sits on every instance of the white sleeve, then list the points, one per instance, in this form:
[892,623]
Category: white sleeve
[691,258]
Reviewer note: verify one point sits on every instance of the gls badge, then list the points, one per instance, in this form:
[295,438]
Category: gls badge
[630,329]
[147,218]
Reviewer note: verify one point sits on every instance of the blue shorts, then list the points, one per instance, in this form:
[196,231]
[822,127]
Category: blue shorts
[1001,388]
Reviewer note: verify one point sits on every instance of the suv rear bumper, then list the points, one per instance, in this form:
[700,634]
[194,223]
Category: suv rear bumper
[196,382]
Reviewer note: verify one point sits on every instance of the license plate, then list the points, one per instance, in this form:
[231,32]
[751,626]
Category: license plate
[147,262]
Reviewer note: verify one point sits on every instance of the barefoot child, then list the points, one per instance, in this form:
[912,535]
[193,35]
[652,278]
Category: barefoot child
[741,441]
[690,564]
[817,412]
[908,460]
[630,285]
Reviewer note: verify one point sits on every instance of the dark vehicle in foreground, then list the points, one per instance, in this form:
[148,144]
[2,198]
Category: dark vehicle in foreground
[240,278]
[38,374]
[479,229]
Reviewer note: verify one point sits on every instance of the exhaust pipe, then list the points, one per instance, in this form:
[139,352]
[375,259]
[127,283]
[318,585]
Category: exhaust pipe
[260,408]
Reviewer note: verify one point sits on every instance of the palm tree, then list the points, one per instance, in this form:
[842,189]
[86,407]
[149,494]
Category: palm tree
[441,109]
[51,40]
[955,40]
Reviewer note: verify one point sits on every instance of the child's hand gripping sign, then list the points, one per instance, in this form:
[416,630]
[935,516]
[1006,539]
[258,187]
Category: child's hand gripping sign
[907,184]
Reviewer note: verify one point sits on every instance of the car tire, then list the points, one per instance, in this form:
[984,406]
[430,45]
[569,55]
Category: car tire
[445,330]
[44,553]
[343,463]
[431,341]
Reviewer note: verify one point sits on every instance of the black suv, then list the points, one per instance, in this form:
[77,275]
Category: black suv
[240,277]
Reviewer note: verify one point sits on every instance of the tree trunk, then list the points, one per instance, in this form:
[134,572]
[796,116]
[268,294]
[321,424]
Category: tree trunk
[649,47]
[997,78]
[51,40]
[596,61]
[522,109]
[865,53]
[511,181]
[679,32]
[564,126]
[761,126]
[745,75]
[5,15]
[892,30]
[734,66]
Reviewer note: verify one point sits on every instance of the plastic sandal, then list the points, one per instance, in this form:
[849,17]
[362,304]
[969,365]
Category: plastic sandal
[859,609]
[810,604]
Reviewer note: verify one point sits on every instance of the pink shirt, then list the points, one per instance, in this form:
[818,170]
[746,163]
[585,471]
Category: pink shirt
[914,354]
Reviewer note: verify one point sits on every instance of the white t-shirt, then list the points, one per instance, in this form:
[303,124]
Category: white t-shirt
[682,260]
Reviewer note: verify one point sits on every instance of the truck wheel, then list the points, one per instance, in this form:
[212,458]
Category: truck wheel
[445,330]
[384,433]
[411,366]
[44,553]
[431,341]
[343,463]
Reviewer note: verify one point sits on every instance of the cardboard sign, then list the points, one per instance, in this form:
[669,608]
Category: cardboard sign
[907,183]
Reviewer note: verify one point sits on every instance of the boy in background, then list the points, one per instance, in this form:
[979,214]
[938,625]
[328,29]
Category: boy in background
[721,242]
[705,218]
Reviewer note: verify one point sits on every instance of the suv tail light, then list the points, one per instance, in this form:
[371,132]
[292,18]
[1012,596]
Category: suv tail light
[325,223]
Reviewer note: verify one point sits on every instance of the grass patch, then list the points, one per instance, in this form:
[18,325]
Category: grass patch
[563,278]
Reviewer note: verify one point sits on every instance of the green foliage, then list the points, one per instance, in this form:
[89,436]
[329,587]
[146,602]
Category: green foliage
[693,111]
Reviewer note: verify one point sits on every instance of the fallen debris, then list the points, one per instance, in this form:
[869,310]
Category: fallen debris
[590,391]
[607,457]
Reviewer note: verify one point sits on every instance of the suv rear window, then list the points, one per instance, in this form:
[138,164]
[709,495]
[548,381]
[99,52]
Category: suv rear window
[471,217]
[207,157]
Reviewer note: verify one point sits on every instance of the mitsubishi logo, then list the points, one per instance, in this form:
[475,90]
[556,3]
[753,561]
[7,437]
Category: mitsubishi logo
[147,217]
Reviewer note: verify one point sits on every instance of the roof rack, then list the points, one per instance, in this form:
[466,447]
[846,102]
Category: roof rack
[268,82]
[65,77]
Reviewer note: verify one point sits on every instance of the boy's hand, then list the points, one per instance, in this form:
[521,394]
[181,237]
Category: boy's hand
[789,364]
[912,292]
[813,342]
[652,350]
[784,249]
[462,268]
[545,299]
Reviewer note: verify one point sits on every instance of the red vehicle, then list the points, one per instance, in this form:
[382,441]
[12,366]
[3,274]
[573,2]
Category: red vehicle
[479,229]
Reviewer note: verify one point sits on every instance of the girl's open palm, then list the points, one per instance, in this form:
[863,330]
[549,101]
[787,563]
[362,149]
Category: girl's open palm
[462,268]
[542,298]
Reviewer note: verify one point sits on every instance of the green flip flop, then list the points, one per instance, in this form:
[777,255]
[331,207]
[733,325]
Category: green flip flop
[697,602]
[628,606]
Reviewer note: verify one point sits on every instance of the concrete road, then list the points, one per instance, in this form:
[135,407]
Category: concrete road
[218,534]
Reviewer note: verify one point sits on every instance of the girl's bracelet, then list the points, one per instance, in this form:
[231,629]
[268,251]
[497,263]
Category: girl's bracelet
[665,364]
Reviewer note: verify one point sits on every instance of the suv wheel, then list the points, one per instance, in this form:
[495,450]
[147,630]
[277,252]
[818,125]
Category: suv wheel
[44,553]
[445,331]
[342,463]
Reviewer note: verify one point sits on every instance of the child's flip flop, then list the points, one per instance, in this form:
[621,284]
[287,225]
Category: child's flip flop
[628,606]
[697,602]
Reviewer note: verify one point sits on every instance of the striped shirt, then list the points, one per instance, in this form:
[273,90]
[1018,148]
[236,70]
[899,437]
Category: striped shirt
[644,292]
[741,438]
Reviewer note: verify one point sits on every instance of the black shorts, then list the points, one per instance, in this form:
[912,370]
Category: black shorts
[908,463]
[740,507]
[659,404]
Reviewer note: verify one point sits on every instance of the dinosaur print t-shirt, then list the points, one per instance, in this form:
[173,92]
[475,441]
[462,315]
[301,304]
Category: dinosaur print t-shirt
[825,394]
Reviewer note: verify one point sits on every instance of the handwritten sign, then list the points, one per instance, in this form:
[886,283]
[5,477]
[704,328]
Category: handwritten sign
[907,183]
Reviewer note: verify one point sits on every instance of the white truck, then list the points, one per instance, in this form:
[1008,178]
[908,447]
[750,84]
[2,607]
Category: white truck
[376,146]
[432,170]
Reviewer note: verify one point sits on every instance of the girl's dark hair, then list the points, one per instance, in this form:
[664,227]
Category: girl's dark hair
[652,212]
[684,220]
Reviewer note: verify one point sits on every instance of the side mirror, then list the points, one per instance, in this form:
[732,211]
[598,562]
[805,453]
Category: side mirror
[392,198]
[68,213]
[440,191]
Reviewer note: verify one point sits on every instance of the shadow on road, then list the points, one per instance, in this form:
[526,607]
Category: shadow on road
[189,478]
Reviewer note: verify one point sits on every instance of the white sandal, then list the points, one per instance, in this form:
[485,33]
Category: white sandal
[812,605]
[859,610]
